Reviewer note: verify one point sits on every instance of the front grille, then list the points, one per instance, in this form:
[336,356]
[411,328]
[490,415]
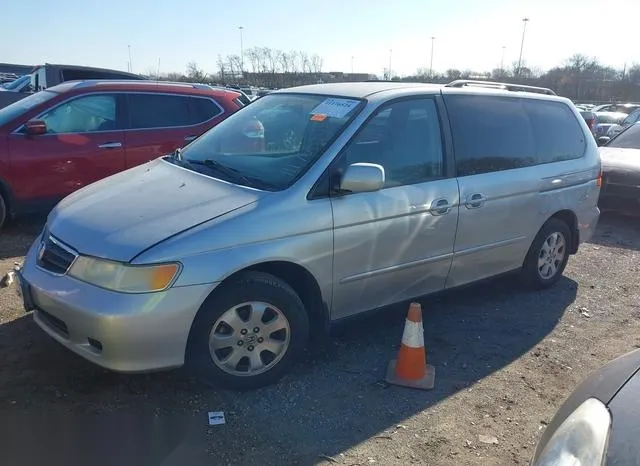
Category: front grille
[55,257]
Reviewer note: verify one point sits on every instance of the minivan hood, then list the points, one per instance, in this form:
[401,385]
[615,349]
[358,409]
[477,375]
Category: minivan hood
[119,217]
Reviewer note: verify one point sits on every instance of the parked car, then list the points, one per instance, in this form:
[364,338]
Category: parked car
[631,119]
[21,84]
[591,120]
[66,137]
[8,77]
[228,254]
[605,120]
[616,107]
[49,75]
[621,169]
[599,421]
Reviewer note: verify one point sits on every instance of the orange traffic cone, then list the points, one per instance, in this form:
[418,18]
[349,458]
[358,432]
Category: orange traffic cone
[411,368]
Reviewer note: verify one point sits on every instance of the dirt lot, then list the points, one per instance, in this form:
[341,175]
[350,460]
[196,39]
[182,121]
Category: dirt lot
[505,359]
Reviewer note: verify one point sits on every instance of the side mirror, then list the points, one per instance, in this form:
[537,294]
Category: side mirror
[35,127]
[602,140]
[362,178]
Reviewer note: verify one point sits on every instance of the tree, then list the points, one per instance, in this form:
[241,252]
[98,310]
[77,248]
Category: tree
[316,63]
[195,74]
[222,68]
[452,74]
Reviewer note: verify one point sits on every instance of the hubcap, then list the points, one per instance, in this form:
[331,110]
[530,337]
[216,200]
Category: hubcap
[249,338]
[551,255]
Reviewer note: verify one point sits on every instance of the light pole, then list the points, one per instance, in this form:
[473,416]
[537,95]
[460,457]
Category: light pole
[390,52]
[504,48]
[241,52]
[524,29]
[130,62]
[433,39]
[351,64]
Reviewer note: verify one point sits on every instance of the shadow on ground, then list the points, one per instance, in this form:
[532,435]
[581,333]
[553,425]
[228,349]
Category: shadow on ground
[618,230]
[334,399]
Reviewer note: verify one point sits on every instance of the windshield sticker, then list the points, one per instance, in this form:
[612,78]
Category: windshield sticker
[318,117]
[335,108]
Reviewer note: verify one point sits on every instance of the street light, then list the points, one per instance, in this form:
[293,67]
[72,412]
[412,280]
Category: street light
[351,64]
[130,62]
[524,29]
[241,52]
[390,52]
[433,39]
[504,48]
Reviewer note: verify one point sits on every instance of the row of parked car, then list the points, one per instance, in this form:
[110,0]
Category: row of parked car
[608,120]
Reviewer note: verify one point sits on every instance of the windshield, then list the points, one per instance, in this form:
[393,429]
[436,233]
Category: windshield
[17,83]
[629,139]
[610,117]
[16,109]
[273,141]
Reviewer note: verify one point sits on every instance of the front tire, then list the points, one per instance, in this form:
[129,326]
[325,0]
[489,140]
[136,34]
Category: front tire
[548,255]
[248,333]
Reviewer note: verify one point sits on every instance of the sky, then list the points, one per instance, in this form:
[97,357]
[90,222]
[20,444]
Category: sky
[469,34]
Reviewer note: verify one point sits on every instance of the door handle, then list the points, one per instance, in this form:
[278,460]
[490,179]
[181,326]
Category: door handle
[440,207]
[110,145]
[190,138]
[475,200]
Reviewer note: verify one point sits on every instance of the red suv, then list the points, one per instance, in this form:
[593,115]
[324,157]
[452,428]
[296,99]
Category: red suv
[68,136]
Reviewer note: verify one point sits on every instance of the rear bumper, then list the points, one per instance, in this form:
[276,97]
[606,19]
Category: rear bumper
[587,223]
[119,331]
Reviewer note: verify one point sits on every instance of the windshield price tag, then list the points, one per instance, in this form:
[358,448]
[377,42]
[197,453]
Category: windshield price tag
[335,108]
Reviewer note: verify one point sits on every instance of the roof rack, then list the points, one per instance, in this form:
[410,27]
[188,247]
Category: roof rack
[503,86]
[144,82]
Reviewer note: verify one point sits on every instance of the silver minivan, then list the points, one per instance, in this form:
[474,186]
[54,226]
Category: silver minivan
[308,206]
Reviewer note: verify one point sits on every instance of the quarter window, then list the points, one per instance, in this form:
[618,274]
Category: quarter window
[83,115]
[558,136]
[404,137]
[203,109]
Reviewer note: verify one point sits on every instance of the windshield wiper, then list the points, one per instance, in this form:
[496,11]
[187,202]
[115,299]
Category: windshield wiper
[229,172]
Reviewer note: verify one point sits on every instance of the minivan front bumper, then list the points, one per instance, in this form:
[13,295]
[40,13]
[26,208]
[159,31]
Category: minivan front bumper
[123,332]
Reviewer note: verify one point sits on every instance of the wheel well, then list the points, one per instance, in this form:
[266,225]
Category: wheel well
[305,286]
[571,220]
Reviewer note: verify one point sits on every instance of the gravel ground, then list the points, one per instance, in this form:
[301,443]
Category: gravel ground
[505,359]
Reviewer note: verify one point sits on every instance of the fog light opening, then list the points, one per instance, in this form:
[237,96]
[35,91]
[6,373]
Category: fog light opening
[95,344]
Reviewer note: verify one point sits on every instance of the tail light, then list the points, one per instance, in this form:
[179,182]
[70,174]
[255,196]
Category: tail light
[599,179]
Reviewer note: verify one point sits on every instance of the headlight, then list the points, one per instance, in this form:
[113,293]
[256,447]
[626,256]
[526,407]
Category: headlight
[581,439]
[124,277]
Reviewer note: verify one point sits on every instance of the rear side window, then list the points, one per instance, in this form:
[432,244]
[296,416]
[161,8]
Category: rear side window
[558,135]
[203,110]
[501,133]
[159,111]
[490,134]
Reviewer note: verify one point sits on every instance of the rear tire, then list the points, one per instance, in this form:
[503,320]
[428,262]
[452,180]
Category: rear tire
[548,255]
[248,333]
